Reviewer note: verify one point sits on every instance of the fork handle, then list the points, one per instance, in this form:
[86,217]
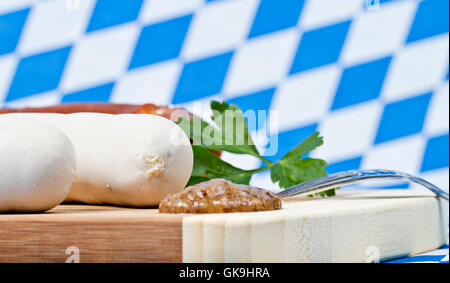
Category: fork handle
[356,176]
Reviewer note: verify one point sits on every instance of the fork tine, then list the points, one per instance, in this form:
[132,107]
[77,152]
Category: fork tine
[323,180]
[355,176]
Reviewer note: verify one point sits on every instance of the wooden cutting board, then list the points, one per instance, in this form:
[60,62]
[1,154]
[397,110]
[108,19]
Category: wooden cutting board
[355,226]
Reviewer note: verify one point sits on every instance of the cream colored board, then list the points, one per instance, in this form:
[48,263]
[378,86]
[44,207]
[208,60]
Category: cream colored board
[355,226]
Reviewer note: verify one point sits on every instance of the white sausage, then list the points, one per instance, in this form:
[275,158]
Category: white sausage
[126,159]
[37,165]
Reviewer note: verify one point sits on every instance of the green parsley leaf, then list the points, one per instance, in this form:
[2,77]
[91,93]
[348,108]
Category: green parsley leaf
[305,147]
[208,166]
[291,172]
[231,121]
[230,133]
[200,132]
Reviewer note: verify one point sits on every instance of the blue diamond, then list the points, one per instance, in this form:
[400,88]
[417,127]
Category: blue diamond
[159,42]
[10,29]
[396,186]
[361,83]
[320,47]
[344,165]
[403,118]
[419,258]
[38,73]
[260,100]
[275,15]
[109,13]
[431,19]
[95,94]
[202,78]
[373,3]
[289,139]
[436,153]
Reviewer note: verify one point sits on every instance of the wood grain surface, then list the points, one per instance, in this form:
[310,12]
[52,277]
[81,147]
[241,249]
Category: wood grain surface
[338,229]
[100,233]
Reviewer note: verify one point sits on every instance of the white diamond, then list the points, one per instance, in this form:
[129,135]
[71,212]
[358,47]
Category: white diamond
[417,69]
[218,28]
[159,10]
[261,63]
[51,25]
[12,5]
[245,162]
[349,132]
[377,34]
[151,84]
[262,180]
[439,178]
[403,154]
[201,107]
[38,100]
[437,120]
[305,98]
[99,58]
[7,68]
[318,13]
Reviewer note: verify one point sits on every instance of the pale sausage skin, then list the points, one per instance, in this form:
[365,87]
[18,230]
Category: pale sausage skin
[37,165]
[125,159]
[219,196]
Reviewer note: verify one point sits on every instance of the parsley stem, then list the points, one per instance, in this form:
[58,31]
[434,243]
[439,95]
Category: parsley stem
[260,169]
[266,160]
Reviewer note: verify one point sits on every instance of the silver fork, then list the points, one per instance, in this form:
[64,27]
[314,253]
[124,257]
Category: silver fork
[355,176]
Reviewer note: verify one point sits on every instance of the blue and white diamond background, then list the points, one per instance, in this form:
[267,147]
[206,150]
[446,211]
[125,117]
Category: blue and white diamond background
[371,75]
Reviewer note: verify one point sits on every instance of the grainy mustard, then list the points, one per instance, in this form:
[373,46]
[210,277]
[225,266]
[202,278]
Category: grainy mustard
[219,196]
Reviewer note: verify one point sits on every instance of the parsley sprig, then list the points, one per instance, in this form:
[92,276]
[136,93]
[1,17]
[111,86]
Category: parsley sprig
[231,134]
